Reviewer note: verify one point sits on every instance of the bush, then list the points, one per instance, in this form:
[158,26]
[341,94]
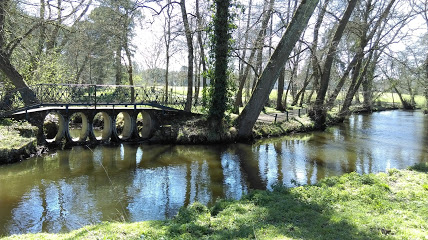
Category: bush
[421,167]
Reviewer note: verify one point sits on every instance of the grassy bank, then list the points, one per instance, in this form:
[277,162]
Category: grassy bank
[391,205]
[17,140]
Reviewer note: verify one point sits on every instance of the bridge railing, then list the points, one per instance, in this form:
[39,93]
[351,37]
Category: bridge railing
[88,94]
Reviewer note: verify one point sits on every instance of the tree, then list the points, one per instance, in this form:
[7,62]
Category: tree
[249,115]
[422,8]
[189,40]
[202,51]
[258,45]
[6,66]
[319,113]
[360,69]
[221,51]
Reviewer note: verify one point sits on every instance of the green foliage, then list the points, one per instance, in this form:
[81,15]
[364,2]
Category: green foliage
[220,206]
[49,68]
[422,167]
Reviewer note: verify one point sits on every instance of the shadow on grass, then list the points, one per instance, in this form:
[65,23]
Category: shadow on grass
[420,167]
[267,215]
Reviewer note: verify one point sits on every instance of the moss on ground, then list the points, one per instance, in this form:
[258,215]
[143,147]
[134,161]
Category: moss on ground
[17,140]
[391,205]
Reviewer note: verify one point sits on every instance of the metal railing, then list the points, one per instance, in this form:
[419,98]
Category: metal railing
[89,95]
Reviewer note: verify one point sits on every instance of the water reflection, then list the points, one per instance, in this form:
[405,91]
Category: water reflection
[80,186]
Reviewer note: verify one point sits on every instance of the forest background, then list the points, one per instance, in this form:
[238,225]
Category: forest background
[347,53]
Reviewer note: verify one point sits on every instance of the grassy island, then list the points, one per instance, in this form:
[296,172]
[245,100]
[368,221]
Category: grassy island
[17,140]
[391,205]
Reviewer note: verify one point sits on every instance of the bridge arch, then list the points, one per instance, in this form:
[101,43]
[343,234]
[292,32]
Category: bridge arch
[83,132]
[124,125]
[146,125]
[107,126]
[60,123]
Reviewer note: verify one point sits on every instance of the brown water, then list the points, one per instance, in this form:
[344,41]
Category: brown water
[72,188]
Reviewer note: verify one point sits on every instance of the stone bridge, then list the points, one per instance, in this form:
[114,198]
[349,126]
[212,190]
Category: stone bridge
[105,113]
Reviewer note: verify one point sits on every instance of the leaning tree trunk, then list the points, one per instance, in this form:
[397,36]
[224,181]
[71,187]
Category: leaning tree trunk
[249,115]
[189,41]
[406,104]
[201,46]
[6,66]
[17,80]
[301,93]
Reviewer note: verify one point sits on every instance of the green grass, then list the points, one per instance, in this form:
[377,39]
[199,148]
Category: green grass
[392,205]
[14,135]
[385,98]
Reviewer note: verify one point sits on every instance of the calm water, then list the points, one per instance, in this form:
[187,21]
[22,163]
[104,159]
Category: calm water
[72,188]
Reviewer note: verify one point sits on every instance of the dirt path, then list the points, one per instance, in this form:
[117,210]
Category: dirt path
[279,117]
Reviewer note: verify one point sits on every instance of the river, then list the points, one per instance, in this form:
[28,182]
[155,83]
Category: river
[72,188]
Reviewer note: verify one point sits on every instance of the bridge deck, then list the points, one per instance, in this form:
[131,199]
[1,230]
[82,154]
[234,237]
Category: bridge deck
[98,107]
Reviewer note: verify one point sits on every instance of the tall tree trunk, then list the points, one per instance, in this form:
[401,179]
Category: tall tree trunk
[197,80]
[281,81]
[189,41]
[319,112]
[118,66]
[42,37]
[167,76]
[221,51]
[316,65]
[299,22]
[293,76]
[52,41]
[80,70]
[302,91]
[287,92]
[204,64]
[244,50]
[367,84]
[426,82]
[130,70]
[259,69]
[242,80]
[3,6]
[167,38]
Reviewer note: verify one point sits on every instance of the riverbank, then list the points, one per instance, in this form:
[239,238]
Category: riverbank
[391,205]
[198,130]
[17,141]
